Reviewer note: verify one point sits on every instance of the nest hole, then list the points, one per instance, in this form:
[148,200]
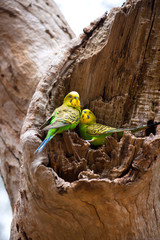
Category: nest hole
[151,129]
[72,158]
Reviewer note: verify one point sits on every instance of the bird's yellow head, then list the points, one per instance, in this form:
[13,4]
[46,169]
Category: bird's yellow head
[72,100]
[87,117]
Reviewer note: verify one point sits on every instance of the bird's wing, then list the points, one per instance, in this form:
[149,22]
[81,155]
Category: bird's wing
[47,122]
[134,129]
[64,116]
[56,124]
[98,129]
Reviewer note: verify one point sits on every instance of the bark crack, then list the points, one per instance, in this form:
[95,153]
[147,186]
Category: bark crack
[63,210]
[10,13]
[25,7]
[79,223]
[24,234]
[16,105]
[75,220]
[95,209]
[149,35]
[153,3]
[9,149]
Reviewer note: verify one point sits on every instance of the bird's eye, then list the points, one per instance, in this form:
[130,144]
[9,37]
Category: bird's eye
[89,112]
[70,96]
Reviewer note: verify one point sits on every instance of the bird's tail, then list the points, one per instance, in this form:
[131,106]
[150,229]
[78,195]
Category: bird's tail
[120,131]
[144,127]
[43,144]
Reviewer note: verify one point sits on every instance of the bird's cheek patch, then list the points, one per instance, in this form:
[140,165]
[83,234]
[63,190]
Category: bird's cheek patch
[75,102]
[85,118]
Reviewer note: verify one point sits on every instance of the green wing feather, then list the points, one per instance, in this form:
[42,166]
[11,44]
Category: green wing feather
[98,129]
[47,122]
[56,124]
[63,116]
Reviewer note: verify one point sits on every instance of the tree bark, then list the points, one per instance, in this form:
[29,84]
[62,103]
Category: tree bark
[74,191]
[31,34]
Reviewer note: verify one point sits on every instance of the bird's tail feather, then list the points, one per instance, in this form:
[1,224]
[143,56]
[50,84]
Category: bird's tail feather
[43,144]
[133,130]
[144,127]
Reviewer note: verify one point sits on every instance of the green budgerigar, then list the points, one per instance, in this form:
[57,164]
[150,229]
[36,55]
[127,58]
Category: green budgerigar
[66,117]
[96,133]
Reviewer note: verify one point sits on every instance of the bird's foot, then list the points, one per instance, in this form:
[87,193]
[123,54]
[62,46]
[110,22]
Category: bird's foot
[87,142]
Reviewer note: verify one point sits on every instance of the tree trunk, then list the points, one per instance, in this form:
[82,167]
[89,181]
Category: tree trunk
[31,34]
[74,191]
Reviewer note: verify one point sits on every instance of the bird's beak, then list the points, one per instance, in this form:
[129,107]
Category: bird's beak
[76,102]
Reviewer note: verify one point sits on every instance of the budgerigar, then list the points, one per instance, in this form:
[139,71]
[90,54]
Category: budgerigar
[66,117]
[96,133]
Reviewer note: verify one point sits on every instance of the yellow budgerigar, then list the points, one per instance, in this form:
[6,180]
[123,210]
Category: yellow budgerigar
[66,117]
[96,133]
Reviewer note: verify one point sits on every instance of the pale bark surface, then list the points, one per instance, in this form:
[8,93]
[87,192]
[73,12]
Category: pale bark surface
[31,33]
[70,190]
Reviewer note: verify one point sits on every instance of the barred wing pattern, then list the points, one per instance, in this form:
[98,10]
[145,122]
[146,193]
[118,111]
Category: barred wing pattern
[99,129]
[64,116]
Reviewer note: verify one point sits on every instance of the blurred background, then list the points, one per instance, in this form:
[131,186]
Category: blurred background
[78,14]
[5,213]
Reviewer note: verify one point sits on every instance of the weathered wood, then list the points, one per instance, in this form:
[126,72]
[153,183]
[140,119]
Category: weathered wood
[31,34]
[70,190]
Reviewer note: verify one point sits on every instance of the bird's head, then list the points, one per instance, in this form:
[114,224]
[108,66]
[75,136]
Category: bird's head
[87,117]
[72,100]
